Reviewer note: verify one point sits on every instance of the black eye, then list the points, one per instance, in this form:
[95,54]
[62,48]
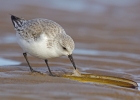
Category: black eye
[64,48]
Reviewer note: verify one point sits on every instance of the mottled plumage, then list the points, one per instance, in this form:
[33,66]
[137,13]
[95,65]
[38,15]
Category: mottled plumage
[42,38]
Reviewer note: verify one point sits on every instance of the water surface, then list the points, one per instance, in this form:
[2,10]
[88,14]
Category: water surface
[106,34]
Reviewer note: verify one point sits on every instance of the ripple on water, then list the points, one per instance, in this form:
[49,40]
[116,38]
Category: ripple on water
[106,53]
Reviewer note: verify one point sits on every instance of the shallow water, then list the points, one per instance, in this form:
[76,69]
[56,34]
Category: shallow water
[139,86]
[106,34]
[7,62]
[105,53]
[8,39]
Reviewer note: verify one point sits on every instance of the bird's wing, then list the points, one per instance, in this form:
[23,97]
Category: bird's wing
[36,27]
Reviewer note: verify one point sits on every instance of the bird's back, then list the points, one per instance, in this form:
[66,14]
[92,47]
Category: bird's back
[38,36]
[35,27]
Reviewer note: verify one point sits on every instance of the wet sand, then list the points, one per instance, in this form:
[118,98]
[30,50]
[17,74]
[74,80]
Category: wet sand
[107,43]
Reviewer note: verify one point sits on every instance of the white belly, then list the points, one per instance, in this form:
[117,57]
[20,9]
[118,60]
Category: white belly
[38,48]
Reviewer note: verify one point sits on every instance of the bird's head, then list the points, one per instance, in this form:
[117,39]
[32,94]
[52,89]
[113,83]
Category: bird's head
[66,46]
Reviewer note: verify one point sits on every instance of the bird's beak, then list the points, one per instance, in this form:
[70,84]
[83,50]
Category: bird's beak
[72,61]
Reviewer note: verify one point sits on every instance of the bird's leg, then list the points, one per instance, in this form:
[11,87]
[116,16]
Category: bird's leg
[46,61]
[31,69]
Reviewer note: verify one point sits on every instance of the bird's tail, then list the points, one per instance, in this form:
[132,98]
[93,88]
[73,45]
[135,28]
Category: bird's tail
[17,22]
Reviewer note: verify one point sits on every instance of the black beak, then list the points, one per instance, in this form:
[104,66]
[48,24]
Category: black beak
[72,61]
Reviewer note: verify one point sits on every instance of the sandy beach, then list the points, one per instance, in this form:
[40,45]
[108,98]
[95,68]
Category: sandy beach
[107,42]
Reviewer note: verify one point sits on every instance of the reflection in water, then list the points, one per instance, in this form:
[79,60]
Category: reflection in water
[95,7]
[138,86]
[8,39]
[71,5]
[105,53]
[118,2]
[5,62]
[107,60]
[5,75]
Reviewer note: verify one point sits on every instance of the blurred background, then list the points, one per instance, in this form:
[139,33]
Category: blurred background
[103,24]
[106,34]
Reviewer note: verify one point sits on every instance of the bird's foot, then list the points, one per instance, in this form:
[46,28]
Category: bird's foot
[38,72]
[51,74]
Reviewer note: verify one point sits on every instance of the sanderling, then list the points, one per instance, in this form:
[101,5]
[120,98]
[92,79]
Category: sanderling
[43,38]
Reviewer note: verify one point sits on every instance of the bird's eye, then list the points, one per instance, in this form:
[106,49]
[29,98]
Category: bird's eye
[64,48]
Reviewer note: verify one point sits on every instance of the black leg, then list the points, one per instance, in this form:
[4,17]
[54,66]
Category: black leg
[31,69]
[46,61]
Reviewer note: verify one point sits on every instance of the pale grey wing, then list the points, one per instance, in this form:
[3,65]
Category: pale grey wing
[34,28]
[51,28]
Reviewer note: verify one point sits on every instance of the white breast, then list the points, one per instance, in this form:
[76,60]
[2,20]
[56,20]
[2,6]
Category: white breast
[38,48]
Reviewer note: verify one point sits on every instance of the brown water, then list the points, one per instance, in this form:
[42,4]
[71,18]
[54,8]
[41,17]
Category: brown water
[107,37]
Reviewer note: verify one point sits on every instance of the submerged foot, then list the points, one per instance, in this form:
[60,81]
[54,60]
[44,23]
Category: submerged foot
[51,74]
[34,71]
